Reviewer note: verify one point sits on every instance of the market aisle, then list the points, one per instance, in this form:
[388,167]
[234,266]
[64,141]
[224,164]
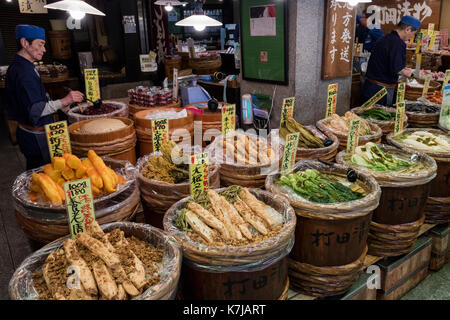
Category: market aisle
[435,287]
[14,246]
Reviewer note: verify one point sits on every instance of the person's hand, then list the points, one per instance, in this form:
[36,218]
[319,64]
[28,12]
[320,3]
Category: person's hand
[72,97]
[407,72]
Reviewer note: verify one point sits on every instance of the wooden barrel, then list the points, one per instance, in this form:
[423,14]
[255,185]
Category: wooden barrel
[158,196]
[44,226]
[412,93]
[135,108]
[330,237]
[170,63]
[220,273]
[21,286]
[396,221]
[437,210]
[422,119]
[179,129]
[121,111]
[205,65]
[119,144]
[375,137]
[60,43]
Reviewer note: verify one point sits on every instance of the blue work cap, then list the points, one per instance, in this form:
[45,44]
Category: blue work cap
[29,32]
[411,21]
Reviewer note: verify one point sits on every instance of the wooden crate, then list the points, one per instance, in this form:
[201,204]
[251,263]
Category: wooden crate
[440,236]
[400,275]
[360,290]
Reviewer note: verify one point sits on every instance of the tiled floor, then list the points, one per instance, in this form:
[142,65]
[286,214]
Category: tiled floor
[14,246]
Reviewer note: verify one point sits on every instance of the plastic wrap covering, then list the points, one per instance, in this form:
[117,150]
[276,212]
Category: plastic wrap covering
[422,170]
[21,284]
[386,126]
[396,140]
[329,211]
[422,118]
[74,114]
[325,153]
[21,188]
[248,258]
[323,125]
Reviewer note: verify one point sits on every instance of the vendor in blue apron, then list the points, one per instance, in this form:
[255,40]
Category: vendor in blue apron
[388,61]
[27,101]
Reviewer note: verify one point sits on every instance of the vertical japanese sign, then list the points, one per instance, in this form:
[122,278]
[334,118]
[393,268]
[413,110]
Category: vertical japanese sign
[353,135]
[287,111]
[426,85]
[399,117]
[444,37]
[92,84]
[290,152]
[444,119]
[419,42]
[58,139]
[432,41]
[175,85]
[228,119]
[401,92]
[80,205]
[332,99]
[377,97]
[160,133]
[430,28]
[199,173]
[447,77]
[418,63]
[338,40]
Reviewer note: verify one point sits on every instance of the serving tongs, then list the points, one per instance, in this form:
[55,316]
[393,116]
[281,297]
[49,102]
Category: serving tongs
[352,175]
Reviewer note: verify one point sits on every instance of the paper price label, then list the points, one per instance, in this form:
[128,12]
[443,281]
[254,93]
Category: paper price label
[430,28]
[353,135]
[92,84]
[418,62]
[228,119]
[287,111]
[401,92]
[332,99]
[80,205]
[58,139]
[160,133]
[426,86]
[419,42]
[432,41]
[199,173]
[399,117]
[444,118]
[290,152]
[447,77]
[377,97]
[175,85]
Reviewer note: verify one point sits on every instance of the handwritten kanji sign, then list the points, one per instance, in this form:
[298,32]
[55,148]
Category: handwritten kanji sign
[332,99]
[432,41]
[228,119]
[92,84]
[379,95]
[426,86]
[401,92]
[419,42]
[399,117]
[353,135]
[160,133]
[290,152]
[287,111]
[80,205]
[199,173]
[58,139]
[338,40]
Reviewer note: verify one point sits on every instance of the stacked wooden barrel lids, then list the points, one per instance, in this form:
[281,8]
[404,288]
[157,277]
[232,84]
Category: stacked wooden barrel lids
[108,109]
[113,137]
[23,285]
[181,130]
[437,209]
[342,136]
[396,221]
[330,238]
[253,271]
[43,222]
[245,160]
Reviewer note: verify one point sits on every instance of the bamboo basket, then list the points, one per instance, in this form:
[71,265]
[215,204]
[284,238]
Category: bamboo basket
[437,209]
[206,268]
[135,108]
[412,94]
[178,128]
[422,120]
[21,284]
[122,111]
[375,137]
[313,260]
[205,65]
[396,221]
[119,144]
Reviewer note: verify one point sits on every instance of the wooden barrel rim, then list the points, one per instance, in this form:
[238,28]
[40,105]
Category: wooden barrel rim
[386,126]
[100,137]
[406,227]
[377,133]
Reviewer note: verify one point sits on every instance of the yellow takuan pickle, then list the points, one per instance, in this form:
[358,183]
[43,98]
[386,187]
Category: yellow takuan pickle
[59,163]
[52,173]
[81,171]
[68,173]
[51,192]
[72,161]
[102,169]
[92,173]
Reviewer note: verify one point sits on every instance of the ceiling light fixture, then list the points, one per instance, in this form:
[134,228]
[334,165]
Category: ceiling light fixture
[168,4]
[198,20]
[77,8]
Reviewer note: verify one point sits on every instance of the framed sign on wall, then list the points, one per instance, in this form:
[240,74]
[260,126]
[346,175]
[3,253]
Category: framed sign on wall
[264,37]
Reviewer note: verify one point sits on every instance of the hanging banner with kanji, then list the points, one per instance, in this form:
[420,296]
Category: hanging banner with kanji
[160,133]
[92,84]
[338,40]
[80,205]
[58,139]
[287,111]
[228,119]
[199,173]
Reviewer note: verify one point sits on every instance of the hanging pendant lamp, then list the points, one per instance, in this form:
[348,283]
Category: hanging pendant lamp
[168,4]
[77,8]
[198,20]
